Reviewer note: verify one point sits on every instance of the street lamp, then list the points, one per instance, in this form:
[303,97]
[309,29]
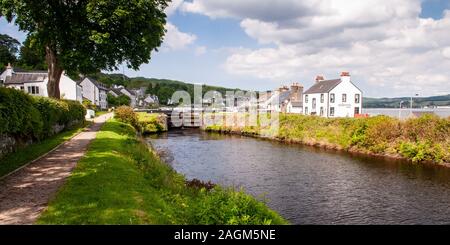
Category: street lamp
[400,110]
[412,102]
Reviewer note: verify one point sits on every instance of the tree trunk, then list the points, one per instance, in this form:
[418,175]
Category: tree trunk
[54,73]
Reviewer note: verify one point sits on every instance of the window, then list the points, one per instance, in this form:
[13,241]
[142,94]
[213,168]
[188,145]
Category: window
[356,110]
[321,111]
[331,98]
[306,98]
[331,111]
[357,98]
[33,90]
[22,88]
[306,110]
[314,103]
[322,98]
[344,98]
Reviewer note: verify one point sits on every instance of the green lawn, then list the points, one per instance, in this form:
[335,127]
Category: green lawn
[120,181]
[22,156]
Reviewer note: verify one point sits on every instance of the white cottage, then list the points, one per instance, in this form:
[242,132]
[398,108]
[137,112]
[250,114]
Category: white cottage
[95,92]
[333,98]
[35,83]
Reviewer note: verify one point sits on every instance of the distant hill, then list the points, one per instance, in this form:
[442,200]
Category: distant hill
[163,88]
[418,102]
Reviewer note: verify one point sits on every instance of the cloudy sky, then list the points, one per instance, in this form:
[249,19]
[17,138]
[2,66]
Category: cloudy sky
[391,48]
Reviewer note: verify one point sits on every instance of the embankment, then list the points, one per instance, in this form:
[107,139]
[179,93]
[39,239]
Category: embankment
[121,181]
[424,139]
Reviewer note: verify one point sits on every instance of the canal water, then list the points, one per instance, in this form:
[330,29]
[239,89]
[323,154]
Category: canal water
[312,186]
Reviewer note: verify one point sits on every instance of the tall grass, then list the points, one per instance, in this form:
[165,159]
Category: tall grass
[418,139]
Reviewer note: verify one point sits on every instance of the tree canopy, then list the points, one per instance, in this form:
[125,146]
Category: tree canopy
[120,100]
[87,36]
[8,50]
[32,56]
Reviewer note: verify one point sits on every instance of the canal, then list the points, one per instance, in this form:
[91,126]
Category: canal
[307,185]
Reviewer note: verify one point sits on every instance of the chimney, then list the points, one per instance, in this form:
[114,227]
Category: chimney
[283,88]
[345,76]
[296,92]
[9,70]
[319,78]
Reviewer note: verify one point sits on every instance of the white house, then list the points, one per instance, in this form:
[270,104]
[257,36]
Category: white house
[95,92]
[285,99]
[333,98]
[35,83]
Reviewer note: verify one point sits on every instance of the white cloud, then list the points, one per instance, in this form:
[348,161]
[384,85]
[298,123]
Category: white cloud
[446,52]
[382,43]
[200,50]
[173,7]
[175,39]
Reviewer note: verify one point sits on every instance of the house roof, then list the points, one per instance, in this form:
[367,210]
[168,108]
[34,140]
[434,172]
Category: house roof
[130,91]
[324,86]
[296,104]
[116,91]
[19,78]
[98,84]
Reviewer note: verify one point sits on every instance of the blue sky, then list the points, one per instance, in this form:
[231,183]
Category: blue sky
[236,44]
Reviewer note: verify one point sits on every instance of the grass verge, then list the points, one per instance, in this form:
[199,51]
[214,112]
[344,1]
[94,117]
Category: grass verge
[120,181]
[31,152]
[424,139]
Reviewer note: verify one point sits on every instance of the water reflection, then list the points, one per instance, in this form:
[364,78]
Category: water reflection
[312,186]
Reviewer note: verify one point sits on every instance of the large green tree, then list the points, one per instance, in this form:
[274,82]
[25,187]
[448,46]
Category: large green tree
[8,50]
[32,55]
[86,36]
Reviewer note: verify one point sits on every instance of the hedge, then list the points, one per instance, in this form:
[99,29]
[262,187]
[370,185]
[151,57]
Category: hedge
[26,116]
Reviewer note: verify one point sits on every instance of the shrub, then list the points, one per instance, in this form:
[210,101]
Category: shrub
[27,117]
[151,122]
[127,115]
[18,116]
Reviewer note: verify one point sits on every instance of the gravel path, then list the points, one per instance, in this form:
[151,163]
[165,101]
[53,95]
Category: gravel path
[26,193]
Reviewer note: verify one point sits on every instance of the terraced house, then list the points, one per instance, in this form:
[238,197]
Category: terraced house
[333,98]
[96,92]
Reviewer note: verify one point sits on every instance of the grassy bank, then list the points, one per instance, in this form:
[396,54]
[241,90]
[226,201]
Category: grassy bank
[152,122]
[31,152]
[120,181]
[419,140]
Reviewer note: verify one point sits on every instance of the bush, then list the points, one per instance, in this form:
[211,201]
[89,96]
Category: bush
[127,115]
[28,117]
[151,122]
[18,115]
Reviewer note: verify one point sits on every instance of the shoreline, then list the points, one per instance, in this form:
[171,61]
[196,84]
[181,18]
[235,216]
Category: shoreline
[331,147]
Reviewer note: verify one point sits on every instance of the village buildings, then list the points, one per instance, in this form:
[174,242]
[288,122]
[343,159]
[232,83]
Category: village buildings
[325,98]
